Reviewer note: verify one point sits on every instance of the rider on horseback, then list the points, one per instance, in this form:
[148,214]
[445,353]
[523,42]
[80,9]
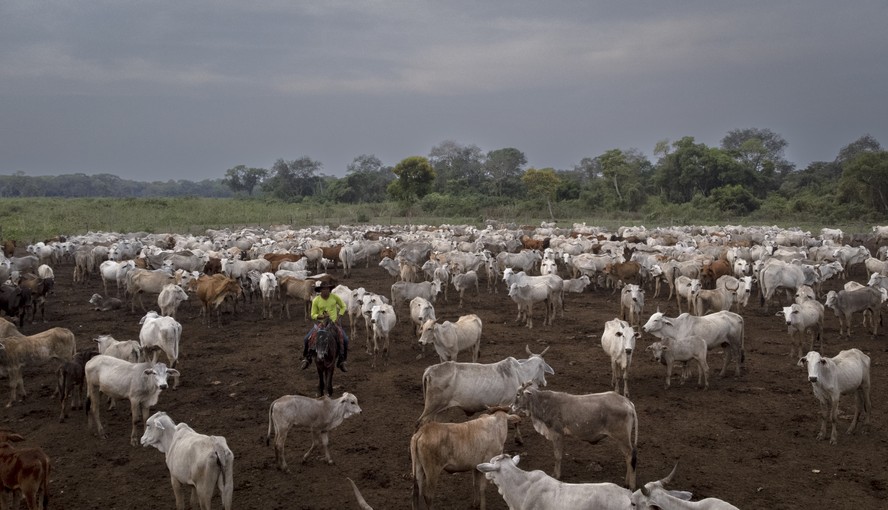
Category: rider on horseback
[326,305]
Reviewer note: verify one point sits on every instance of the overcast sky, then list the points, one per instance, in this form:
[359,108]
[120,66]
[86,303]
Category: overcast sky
[185,89]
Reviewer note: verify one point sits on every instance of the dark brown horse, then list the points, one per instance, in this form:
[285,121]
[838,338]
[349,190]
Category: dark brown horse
[326,352]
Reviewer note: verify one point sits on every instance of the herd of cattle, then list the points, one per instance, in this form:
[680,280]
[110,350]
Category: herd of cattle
[715,271]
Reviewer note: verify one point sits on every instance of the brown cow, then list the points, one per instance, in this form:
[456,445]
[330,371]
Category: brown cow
[24,472]
[70,380]
[9,247]
[332,253]
[534,244]
[713,271]
[295,288]
[213,266]
[626,272]
[212,291]
[277,258]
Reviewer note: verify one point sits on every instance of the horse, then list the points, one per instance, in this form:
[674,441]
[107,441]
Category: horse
[326,352]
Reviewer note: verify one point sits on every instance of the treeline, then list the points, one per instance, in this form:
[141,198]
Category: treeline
[106,185]
[746,177]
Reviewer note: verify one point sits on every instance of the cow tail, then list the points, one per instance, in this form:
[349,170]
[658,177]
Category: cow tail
[418,474]
[225,461]
[62,381]
[742,341]
[270,423]
[634,439]
[45,484]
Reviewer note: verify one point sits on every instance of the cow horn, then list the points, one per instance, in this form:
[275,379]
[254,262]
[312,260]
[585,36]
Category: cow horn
[668,478]
[645,491]
[545,351]
[527,348]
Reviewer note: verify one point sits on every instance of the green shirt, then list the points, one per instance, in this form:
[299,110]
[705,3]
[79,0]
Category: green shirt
[333,305]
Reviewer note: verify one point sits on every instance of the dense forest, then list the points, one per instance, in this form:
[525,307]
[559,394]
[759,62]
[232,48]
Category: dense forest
[747,176]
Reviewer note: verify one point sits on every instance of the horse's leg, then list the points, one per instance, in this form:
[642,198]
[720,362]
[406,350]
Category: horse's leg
[330,370]
[320,368]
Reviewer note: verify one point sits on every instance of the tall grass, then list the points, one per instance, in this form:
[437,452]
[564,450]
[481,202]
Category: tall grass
[33,219]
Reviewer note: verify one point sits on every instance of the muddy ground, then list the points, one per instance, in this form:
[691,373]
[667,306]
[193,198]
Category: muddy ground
[748,440]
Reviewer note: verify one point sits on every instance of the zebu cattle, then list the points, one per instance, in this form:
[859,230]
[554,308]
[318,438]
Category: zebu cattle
[114,271]
[847,372]
[653,495]
[776,275]
[577,285]
[269,288]
[683,349]
[845,303]
[687,288]
[17,350]
[618,342]
[718,329]
[535,490]
[141,383]
[24,474]
[196,460]
[319,415]
[303,290]
[589,418]
[718,299]
[465,281]
[851,256]
[140,281]
[403,292]
[128,350]
[743,285]
[525,295]
[473,387]
[368,301]
[450,338]
[383,320]
[392,267]
[105,304]
[161,334]
[420,312]
[69,377]
[170,298]
[632,304]
[804,319]
[455,448]
[14,301]
[525,260]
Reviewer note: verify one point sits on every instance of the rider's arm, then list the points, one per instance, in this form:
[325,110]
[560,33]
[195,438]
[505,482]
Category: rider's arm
[315,309]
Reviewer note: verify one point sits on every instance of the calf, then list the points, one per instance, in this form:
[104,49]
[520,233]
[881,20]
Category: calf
[653,495]
[105,304]
[682,349]
[455,448]
[805,318]
[70,381]
[450,338]
[845,373]
[632,304]
[577,285]
[141,383]
[24,472]
[194,460]
[687,288]
[383,319]
[421,311]
[589,418]
[170,298]
[463,282]
[535,490]
[618,342]
[319,415]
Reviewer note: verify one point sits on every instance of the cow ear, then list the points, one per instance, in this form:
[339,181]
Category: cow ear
[802,362]
[149,371]
[172,371]
[822,361]
[516,459]
[684,495]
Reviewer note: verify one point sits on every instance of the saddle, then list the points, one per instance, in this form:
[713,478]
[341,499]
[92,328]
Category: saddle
[332,328]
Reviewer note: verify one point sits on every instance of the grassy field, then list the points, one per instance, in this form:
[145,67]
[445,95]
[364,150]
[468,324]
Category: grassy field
[33,219]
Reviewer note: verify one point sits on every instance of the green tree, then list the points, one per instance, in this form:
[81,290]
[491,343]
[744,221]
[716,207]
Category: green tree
[415,176]
[693,168]
[503,169]
[292,180]
[542,184]
[865,143]
[241,178]
[865,178]
[761,152]
[367,180]
[624,174]
[458,168]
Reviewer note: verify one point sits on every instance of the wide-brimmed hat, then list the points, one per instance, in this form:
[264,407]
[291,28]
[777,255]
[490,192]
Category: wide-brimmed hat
[323,285]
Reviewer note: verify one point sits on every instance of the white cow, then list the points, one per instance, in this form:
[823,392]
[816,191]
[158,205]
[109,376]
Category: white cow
[632,304]
[682,349]
[141,383]
[717,329]
[196,460]
[421,311]
[170,298]
[450,338]
[383,319]
[269,288]
[463,282]
[129,350]
[535,490]
[163,334]
[653,495]
[319,415]
[618,342]
[845,373]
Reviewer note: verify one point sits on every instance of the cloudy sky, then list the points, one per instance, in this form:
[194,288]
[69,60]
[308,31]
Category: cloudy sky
[173,89]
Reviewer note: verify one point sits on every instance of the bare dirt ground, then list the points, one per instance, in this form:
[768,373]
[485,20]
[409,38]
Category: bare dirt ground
[748,440]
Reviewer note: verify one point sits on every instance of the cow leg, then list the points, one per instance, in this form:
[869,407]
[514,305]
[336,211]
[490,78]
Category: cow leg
[280,441]
[137,409]
[315,439]
[703,376]
[558,446]
[824,416]
[833,417]
[481,482]
[325,441]
[177,492]
[727,352]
